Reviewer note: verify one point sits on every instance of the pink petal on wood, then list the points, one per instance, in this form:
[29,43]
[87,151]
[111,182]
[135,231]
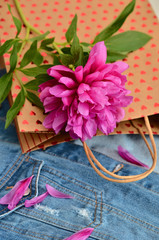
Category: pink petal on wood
[55,193]
[129,157]
[81,235]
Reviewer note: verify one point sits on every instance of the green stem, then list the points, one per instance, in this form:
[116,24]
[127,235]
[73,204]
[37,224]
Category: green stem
[26,23]
[57,48]
[20,82]
[62,44]
[24,42]
[30,27]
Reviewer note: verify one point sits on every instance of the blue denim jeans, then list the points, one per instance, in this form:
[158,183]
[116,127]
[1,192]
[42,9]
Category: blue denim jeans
[116,211]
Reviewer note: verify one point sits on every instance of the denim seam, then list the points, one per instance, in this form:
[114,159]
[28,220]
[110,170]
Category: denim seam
[70,178]
[118,210]
[128,216]
[96,204]
[74,192]
[81,201]
[13,171]
[88,185]
[101,212]
[79,227]
[96,201]
[55,155]
[139,223]
[11,167]
[147,188]
[101,204]
[30,189]
[25,234]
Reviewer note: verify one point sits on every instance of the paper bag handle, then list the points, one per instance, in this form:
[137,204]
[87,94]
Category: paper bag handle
[125,179]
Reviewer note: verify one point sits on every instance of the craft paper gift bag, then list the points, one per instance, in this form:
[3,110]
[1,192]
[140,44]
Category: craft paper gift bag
[93,16]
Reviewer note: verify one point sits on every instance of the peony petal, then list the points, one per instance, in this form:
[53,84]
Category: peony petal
[91,128]
[78,131]
[57,90]
[45,93]
[14,196]
[49,83]
[35,200]
[84,97]
[55,193]
[120,66]
[79,73]
[97,57]
[58,71]
[83,88]
[68,82]
[92,77]
[83,108]
[81,235]
[67,100]
[88,66]
[49,119]
[129,157]
[59,121]
[61,91]
[51,103]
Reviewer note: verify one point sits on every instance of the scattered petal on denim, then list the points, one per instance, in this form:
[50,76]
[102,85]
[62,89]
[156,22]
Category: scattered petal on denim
[81,235]
[95,94]
[55,193]
[35,200]
[129,157]
[14,196]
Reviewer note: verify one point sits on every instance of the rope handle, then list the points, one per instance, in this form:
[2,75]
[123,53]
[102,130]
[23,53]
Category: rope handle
[125,179]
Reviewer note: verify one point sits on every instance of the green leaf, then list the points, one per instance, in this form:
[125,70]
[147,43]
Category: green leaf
[85,46]
[6,46]
[17,105]
[66,50]
[75,48]
[56,60]
[66,59]
[13,58]
[19,44]
[36,70]
[72,29]
[127,41]
[38,59]
[18,25]
[5,85]
[34,99]
[40,37]
[46,42]
[80,61]
[116,24]
[114,56]
[34,84]
[9,8]
[29,55]
[17,22]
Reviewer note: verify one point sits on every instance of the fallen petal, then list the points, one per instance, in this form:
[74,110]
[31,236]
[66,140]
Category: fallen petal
[35,200]
[14,196]
[55,193]
[81,235]
[129,157]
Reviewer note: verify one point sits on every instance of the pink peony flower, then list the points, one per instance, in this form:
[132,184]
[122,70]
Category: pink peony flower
[90,98]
